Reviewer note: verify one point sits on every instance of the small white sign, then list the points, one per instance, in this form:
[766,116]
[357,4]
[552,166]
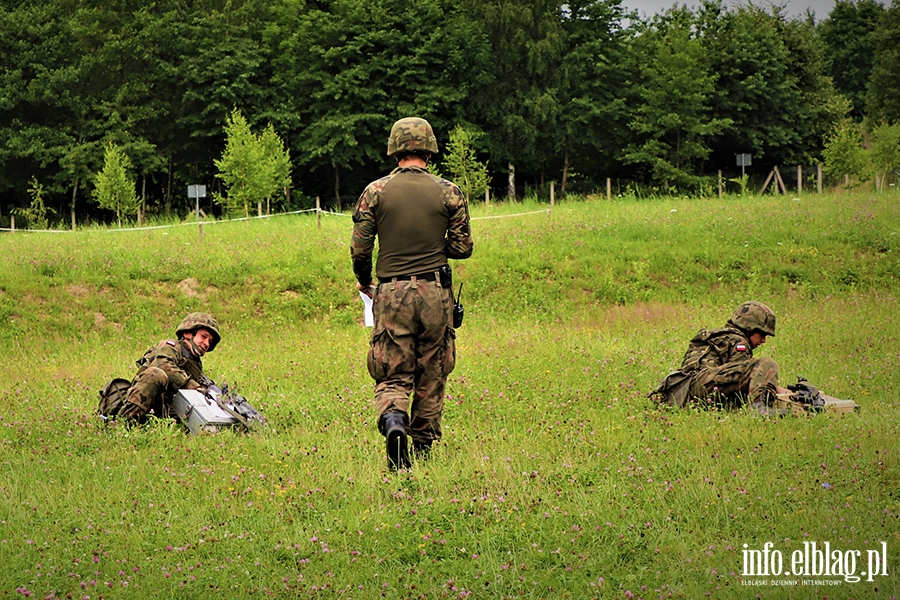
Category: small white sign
[196,191]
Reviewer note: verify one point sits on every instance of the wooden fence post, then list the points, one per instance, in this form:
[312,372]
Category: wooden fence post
[608,188]
[720,183]
[819,177]
[318,213]
[766,184]
[799,181]
[552,193]
[780,181]
[12,223]
[487,197]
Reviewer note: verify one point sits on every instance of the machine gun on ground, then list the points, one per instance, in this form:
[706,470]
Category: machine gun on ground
[807,398]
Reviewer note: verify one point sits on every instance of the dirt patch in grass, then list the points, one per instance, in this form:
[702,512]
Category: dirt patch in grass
[80,291]
[189,287]
[650,313]
[645,314]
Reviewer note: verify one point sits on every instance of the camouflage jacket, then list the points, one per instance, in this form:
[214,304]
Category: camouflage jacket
[426,223]
[709,349]
[185,371]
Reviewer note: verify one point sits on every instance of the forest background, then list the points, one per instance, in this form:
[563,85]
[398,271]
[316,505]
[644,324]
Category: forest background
[571,93]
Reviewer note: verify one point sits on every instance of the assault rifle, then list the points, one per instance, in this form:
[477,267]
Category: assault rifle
[807,398]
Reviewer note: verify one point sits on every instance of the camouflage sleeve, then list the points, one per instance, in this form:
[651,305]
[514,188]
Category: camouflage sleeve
[710,360]
[458,244]
[735,349]
[166,358]
[362,244]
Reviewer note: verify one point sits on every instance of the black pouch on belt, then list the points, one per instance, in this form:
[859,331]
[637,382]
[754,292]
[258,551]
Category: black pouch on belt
[446,274]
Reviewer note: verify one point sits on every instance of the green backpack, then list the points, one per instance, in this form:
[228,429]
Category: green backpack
[113,397]
[675,388]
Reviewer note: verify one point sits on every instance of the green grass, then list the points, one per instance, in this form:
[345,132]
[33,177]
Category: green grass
[556,477]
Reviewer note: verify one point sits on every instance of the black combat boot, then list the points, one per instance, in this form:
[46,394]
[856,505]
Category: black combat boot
[422,449]
[393,426]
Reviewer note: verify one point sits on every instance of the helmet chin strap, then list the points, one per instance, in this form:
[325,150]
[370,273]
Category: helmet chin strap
[195,348]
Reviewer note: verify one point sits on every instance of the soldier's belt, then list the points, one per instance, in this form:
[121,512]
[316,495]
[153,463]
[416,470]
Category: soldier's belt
[430,276]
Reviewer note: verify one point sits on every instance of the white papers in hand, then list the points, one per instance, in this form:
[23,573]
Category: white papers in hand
[367,310]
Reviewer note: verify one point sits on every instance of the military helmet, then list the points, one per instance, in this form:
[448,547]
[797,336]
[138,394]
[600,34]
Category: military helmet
[754,316]
[412,134]
[200,320]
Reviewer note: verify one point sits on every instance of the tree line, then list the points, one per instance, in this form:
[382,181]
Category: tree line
[571,92]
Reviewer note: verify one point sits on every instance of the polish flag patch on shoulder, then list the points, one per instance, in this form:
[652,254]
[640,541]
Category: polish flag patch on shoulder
[171,343]
[741,348]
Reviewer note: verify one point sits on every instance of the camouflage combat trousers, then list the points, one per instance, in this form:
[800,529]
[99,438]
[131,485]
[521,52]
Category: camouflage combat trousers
[755,380]
[412,351]
[148,394]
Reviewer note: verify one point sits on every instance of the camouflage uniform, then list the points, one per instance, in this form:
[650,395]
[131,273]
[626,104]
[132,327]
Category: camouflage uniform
[420,220]
[163,370]
[722,369]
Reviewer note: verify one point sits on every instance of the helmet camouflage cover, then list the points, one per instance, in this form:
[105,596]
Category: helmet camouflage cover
[412,134]
[754,316]
[200,320]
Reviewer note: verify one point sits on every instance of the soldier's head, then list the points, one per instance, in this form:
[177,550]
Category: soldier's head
[756,320]
[201,331]
[412,136]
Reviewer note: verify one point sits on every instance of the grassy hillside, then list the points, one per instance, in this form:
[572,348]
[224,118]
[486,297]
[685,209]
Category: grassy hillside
[556,477]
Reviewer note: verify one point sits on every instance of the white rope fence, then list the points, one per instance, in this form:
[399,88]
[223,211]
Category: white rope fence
[197,223]
[534,212]
[545,211]
[149,228]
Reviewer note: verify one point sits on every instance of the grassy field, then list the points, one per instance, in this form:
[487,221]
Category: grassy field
[556,479]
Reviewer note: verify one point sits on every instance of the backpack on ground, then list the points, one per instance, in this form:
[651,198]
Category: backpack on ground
[113,397]
[674,389]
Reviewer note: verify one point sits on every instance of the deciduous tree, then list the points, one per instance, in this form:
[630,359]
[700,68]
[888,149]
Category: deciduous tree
[844,153]
[882,99]
[673,122]
[848,33]
[114,187]
[884,154]
[461,163]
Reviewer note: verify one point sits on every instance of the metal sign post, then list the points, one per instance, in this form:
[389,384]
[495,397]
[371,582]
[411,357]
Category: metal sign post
[743,160]
[197,192]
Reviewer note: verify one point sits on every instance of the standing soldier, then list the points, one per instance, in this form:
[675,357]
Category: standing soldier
[163,370]
[421,221]
[719,365]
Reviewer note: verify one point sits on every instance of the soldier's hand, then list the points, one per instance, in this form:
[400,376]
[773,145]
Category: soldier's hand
[193,385]
[368,290]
